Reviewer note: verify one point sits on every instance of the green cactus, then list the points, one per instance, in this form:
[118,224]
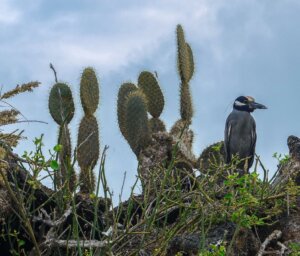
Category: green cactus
[150,87]
[124,91]
[156,125]
[183,59]
[211,157]
[61,105]
[155,100]
[66,169]
[186,70]
[136,122]
[87,152]
[191,61]
[186,107]
[89,91]
[88,135]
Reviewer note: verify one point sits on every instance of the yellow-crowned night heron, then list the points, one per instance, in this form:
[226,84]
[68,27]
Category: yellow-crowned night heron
[240,132]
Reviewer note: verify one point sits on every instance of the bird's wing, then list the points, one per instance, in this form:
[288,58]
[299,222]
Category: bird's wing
[227,141]
[253,143]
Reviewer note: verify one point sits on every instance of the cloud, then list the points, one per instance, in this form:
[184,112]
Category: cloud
[9,14]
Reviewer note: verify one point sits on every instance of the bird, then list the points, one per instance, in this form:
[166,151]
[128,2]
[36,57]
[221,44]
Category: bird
[240,133]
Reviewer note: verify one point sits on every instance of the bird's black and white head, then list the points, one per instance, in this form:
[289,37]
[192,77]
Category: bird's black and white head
[247,103]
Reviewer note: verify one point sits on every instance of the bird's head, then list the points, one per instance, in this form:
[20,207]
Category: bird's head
[247,103]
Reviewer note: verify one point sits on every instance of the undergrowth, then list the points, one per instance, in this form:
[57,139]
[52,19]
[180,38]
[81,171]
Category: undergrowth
[145,222]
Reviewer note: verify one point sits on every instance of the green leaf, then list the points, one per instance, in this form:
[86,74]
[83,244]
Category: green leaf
[54,165]
[57,148]
[21,242]
[93,196]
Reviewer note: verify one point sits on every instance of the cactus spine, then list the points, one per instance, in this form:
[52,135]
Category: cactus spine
[88,134]
[61,107]
[155,99]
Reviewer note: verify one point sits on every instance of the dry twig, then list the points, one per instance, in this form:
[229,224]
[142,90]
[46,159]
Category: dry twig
[276,234]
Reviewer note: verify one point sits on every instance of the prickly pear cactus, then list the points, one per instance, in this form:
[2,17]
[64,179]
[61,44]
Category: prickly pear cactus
[148,139]
[180,130]
[89,91]
[191,61]
[61,104]
[87,152]
[155,100]
[136,121]
[61,107]
[185,62]
[88,144]
[67,171]
[211,157]
[124,91]
[186,108]
[183,59]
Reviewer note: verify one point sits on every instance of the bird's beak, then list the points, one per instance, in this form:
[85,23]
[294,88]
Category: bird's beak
[255,105]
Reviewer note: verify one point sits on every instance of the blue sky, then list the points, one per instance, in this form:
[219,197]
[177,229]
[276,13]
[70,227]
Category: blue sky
[241,47]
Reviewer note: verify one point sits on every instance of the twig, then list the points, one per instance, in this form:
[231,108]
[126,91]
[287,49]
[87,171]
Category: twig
[274,236]
[283,248]
[74,243]
[50,222]
[31,121]
[54,71]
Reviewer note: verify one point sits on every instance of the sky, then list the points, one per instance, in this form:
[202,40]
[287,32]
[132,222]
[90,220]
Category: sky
[241,47]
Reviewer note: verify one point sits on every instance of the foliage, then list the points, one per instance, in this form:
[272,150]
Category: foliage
[174,202]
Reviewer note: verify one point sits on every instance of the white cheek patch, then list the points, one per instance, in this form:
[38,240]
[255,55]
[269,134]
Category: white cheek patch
[238,103]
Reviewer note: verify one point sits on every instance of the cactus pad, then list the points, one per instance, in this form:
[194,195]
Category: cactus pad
[87,152]
[61,105]
[136,122]
[191,61]
[186,107]
[65,140]
[183,56]
[88,142]
[89,91]
[67,171]
[211,157]
[124,91]
[150,87]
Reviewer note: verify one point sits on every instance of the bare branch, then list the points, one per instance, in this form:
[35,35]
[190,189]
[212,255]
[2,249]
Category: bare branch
[276,234]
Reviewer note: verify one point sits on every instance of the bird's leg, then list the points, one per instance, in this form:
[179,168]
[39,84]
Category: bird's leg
[246,165]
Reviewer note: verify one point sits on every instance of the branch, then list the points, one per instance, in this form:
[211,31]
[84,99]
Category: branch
[274,236]
[74,243]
